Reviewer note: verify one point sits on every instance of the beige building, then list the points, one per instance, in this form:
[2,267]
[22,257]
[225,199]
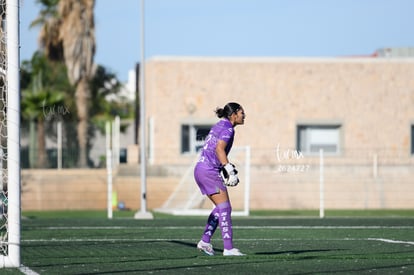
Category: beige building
[360,111]
[338,104]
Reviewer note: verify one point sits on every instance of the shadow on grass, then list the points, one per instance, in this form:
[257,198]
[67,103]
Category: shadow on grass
[200,265]
[295,252]
[192,245]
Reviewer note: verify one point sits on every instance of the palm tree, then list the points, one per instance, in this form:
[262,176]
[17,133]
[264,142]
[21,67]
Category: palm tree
[68,33]
[77,33]
[33,104]
[43,87]
[49,22]
[107,101]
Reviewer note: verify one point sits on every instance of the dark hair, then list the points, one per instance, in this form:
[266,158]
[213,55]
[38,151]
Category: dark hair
[228,110]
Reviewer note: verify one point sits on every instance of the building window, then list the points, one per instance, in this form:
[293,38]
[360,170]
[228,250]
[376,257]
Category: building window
[192,137]
[311,138]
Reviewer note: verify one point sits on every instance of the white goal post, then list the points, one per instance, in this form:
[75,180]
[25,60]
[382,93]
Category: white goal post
[10,135]
[187,199]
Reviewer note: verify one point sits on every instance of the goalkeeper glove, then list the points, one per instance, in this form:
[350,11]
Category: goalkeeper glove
[229,175]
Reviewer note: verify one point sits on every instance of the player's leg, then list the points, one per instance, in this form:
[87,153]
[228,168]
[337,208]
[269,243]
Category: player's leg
[213,220]
[206,179]
[210,183]
[222,202]
[211,226]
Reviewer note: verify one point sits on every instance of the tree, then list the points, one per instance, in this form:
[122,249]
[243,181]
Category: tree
[107,103]
[44,87]
[49,22]
[77,33]
[68,33]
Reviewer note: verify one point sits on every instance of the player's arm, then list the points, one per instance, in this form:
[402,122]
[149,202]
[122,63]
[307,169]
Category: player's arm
[221,152]
[228,171]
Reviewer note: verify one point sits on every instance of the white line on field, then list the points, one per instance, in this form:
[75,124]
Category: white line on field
[27,271]
[236,227]
[390,241]
[195,240]
[325,227]
[108,240]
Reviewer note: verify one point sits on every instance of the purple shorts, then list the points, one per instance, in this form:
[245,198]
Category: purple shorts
[208,179]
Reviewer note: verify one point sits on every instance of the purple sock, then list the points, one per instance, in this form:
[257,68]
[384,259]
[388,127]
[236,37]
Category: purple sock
[224,210]
[211,226]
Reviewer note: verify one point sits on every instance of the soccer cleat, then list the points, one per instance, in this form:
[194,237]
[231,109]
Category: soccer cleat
[232,252]
[205,247]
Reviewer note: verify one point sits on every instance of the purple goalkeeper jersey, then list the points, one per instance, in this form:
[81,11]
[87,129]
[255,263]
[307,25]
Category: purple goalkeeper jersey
[222,130]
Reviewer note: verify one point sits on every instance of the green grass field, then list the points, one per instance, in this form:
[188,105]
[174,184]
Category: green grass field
[291,242]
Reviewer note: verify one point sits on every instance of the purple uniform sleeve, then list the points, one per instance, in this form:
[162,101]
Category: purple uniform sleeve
[222,130]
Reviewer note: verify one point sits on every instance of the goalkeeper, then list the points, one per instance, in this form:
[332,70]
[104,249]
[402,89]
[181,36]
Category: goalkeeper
[213,172]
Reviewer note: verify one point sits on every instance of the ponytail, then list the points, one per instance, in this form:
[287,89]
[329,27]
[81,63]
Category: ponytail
[228,110]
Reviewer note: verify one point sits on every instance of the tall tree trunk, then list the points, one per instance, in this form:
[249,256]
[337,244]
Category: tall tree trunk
[41,160]
[82,103]
[77,33]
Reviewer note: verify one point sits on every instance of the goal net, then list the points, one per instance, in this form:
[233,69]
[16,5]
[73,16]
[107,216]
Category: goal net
[188,200]
[9,135]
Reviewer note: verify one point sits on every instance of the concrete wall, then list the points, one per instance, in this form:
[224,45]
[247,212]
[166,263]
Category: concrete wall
[346,187]
[87,189]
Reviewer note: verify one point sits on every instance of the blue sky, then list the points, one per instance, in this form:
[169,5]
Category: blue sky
[276,28]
